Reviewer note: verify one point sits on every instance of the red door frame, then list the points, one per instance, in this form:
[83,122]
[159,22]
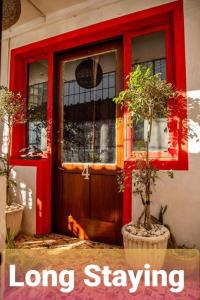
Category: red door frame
[164,16]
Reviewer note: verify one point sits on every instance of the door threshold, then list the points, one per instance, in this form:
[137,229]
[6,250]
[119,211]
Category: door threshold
[53,240]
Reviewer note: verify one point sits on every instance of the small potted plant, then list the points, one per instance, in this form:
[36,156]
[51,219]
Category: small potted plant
[12,111]
[145,99]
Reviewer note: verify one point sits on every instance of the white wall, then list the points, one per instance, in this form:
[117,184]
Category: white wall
[2,212]
[89,12]
[26,195]
[183,193]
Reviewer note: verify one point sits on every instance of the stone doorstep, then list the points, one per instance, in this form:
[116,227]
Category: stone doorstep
[53,240]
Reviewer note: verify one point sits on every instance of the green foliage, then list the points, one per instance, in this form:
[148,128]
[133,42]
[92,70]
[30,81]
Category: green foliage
[170,174]
[120,181]
[12,111]
[37,113]
[145,174]
[145,98]
[12,107]
[145,94]
[142,174]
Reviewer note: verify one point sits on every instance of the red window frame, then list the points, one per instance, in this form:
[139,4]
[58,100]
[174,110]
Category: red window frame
[167,17]
[129,39]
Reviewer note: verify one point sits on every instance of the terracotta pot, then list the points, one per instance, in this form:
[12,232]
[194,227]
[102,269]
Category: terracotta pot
[145,250]
[14,220]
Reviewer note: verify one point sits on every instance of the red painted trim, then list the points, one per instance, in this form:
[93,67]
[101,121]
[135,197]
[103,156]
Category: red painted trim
[100,31]
[50,103]
[173,149]
[127,205]
[180,81]
[17,72]
[127,70]
[128,40]
[172,14]
[43,198]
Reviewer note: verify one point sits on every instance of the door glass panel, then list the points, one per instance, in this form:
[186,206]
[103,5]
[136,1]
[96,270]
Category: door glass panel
[150,51]
[37,104]
[88,134]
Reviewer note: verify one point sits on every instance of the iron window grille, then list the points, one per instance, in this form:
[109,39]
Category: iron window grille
[157,66]
[74,94]
[83,135]
[37,106]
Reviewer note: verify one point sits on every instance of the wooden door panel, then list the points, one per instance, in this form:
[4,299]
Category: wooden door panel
[100,231]
[104,193]
[75,195]
[90,209]
[57,213]
[71,199]
[89,133]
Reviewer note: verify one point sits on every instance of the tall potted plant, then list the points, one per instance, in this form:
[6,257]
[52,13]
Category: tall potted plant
[12,112]
[145,98]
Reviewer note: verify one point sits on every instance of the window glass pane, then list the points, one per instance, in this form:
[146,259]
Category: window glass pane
[150,51]
[89,120]
[37,104]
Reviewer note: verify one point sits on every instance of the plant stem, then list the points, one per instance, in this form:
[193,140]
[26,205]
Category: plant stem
[8,163]
[148,222]
[141,216]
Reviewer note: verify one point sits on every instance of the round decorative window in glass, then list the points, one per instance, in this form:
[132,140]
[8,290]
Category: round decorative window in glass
[88,74]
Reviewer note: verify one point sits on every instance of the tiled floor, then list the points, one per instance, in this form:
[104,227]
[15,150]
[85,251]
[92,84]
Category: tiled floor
[57,241]
[56,260]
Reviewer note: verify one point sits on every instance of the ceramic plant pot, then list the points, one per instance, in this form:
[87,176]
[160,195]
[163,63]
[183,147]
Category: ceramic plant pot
[14,215]
[149,249]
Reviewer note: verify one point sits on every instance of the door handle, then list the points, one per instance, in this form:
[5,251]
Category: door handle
[61,169]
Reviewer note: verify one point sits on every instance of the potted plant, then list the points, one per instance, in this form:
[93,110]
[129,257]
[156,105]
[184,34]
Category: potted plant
[12,111]
[145,99]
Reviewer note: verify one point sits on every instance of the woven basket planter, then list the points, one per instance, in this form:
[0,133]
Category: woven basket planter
[11,13]
[149,250]
[14,220]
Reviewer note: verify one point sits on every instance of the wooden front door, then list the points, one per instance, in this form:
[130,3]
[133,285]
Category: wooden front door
[89,150]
